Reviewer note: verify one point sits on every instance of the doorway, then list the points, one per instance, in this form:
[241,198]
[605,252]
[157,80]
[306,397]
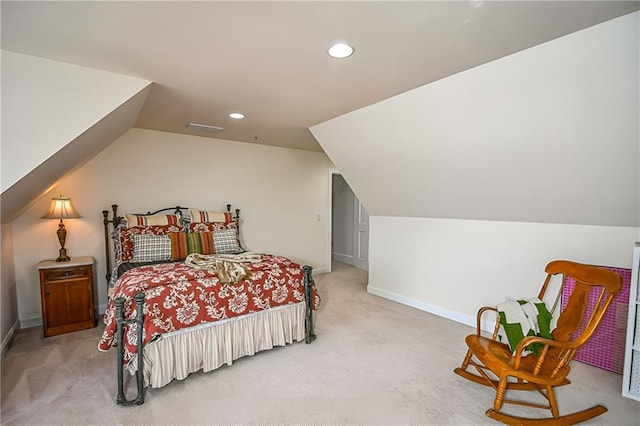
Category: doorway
[349,225]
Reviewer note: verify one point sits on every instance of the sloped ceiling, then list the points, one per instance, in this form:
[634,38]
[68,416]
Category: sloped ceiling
[268,59]
[56,117]
[548,135]
[25,191]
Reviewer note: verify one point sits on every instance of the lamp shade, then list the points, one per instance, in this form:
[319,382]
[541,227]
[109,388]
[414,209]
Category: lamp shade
[61,208]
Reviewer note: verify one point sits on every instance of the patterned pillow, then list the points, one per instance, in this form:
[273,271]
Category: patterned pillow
[199,216]
[152,220]
[125,234]
[225,241]
[150,248]
[212,226]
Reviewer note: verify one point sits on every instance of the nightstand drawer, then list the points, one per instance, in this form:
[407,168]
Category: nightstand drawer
[67,274]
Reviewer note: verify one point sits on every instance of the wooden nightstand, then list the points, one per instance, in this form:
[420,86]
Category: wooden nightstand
[66,292]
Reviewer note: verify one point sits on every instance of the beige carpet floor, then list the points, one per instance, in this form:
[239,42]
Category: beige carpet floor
[374,362]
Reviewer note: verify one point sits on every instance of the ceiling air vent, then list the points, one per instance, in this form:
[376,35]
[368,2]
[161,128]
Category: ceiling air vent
[204,128]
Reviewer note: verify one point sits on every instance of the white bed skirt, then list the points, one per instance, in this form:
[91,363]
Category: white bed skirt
[209,346]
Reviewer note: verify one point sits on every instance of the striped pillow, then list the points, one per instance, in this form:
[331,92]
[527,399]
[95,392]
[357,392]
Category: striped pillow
[185,243]
[150,248]
[199,216]
[152,220]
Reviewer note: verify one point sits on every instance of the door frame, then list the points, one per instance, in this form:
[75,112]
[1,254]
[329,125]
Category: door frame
[329,254]
[332,172]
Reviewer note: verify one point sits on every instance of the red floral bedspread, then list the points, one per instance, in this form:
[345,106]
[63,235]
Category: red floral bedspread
[178,296]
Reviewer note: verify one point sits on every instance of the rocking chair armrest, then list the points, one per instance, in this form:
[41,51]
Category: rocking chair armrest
[517,355]
[537,339]
[481,311]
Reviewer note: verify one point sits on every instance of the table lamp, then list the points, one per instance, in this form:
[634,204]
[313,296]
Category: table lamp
[61,208]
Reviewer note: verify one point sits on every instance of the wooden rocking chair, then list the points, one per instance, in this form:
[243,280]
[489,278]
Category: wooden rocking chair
[496,364]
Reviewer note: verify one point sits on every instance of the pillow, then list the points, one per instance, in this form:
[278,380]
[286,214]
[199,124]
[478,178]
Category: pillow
[199,216]
[152,220]
[125,234]
[212,226]
[150,248]
[225,241]
[185,243]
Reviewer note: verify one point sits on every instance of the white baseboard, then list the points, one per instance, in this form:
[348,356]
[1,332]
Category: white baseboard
[31,322]
[321,270]
[344,258]
[101,309]
[432,309]
[6,342]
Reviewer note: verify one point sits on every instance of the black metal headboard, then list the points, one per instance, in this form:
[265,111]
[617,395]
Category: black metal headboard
[117,220]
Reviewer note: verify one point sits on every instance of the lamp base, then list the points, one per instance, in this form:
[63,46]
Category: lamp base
[63,256]
[62,236]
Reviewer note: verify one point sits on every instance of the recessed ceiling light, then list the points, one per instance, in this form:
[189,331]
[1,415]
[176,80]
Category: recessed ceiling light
[236,115]
[340,51]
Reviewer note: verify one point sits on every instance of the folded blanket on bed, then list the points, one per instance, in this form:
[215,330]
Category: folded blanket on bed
[230,268]
[520,318]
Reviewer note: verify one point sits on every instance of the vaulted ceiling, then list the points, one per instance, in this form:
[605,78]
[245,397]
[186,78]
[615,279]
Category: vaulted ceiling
[268,60]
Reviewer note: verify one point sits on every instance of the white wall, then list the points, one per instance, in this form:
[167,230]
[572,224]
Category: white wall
[8,305]
[549,134]
[280,192]
[451,267]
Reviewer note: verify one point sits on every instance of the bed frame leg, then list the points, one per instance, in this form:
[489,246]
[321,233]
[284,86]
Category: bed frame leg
[308,296]
[120,323]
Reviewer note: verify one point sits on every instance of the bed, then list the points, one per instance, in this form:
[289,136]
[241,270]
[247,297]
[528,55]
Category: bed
[185,294]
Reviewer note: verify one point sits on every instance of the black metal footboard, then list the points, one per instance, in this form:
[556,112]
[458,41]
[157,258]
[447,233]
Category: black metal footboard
[120,323]
[310,336]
